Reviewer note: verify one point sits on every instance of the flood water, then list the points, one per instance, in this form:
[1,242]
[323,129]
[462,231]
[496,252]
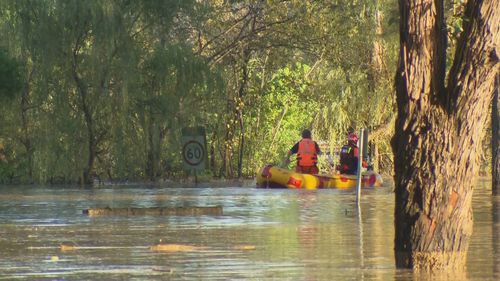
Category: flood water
[262,235]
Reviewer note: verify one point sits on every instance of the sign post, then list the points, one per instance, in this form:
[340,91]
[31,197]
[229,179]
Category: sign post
[194,149]
[362,147]
[363,153]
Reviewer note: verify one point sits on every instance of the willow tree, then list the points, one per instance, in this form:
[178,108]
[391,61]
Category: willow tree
[439,129]
[10,77]
[235,35]
[174,81]
[96,37]
[11,23]
[10,85]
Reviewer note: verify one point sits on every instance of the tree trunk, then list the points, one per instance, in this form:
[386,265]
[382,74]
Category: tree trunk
[495,140]
[88,170]
[154,139]
[151,155]
[375,157]
[239,108]
[26,138]
[226,169]
[377,66]
[439,130]
[213,167]
[89,121]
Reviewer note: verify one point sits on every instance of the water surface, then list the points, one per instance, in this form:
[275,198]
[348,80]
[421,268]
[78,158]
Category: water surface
[262,235]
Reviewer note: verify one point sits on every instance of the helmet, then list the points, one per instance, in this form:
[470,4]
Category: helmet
[306,134]
[352,137]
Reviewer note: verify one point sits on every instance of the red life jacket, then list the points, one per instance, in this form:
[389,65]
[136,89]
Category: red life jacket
[307,154]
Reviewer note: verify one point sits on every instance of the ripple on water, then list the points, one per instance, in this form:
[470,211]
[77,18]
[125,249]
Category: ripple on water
[262,235]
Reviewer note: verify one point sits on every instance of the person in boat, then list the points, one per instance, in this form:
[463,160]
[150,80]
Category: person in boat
[349,156]
[307,152]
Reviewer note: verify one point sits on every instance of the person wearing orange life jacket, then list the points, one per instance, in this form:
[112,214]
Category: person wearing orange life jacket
[349,156]
[307,152]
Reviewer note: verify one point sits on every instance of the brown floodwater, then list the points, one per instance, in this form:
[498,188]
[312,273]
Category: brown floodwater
[262,235]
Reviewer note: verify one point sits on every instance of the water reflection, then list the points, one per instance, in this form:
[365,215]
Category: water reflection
[263,234]
[495,230]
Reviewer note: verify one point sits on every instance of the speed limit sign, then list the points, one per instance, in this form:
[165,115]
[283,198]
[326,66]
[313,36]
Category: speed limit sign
[194,148]
[193,152]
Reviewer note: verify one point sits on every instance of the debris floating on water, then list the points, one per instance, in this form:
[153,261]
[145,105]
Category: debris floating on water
[155,211]
[244,247]
[174,248]
[160,269]
[68,247]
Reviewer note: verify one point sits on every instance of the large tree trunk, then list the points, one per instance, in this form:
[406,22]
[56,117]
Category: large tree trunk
[495,141]
[439,130]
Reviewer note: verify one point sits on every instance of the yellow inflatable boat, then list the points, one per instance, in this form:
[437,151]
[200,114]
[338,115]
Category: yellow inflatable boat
[274,177]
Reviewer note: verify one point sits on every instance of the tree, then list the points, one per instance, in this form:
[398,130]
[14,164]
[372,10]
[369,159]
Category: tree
[10,86]
[439,129]
[172,76]
[107,86]
[10,77]
[495,140]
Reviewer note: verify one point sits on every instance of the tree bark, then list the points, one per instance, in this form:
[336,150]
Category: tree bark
[495,141]
[439,130]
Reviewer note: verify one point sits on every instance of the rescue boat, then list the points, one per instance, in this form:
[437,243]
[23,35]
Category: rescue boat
[275,177]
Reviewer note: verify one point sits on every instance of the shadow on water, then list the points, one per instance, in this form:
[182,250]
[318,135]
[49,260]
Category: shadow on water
[262,235]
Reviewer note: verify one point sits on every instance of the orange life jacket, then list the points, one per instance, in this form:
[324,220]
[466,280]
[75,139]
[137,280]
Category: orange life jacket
[307,154]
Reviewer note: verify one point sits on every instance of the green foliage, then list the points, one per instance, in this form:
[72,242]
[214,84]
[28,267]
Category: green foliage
[119,79]
[286,108]
[10,76]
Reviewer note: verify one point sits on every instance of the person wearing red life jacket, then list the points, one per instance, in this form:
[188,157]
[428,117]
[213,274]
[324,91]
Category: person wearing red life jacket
[307,152]
[349,156]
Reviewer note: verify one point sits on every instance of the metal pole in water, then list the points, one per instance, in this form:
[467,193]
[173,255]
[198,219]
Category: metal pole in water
[360,165]
[361,151]
[195,178]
